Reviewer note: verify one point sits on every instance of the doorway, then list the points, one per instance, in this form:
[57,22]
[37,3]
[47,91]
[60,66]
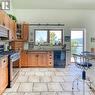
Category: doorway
[77,42]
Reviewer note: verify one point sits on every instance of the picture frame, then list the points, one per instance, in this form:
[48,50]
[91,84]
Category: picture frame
[67,38]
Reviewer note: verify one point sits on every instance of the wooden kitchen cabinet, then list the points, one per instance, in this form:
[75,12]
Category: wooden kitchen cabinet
[24,59]
[12,32]
[1,17]
[7,21]
[32,59]
[3,74]
[17,45]
[50,59]
[25,32]
[22,32]
[39,59]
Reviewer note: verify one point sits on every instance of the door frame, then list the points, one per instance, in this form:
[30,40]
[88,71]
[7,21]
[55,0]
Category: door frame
[84,37]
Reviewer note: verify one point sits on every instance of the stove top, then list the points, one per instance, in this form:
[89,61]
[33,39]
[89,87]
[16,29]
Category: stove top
[7,52]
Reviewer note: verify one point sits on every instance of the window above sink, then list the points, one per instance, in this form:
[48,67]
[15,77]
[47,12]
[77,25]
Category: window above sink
[48,36]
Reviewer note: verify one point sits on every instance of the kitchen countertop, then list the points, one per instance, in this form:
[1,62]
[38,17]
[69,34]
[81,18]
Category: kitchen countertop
[1,56]
[36,50]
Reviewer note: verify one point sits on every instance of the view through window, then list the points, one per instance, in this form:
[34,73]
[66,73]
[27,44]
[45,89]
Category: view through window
[54,37]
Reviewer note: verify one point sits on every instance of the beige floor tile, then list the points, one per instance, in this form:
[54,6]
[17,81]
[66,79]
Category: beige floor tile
[81,93]
[57,79]
[33,79]
[22,73]
[14,88]
[25,69]
[4,93]
[54,87]
[35,69]
[32,94]
[22,79]
[59,73]
[40,87]
[52,69]
[15,94]
[43,69]
[67,86]
[39,73]
[25,87]
[45,79]
[64,93]
[68,78]
[48,93]
[49,73]
[30,73]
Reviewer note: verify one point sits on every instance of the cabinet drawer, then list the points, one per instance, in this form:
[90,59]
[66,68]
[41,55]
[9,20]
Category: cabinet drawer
[4,61]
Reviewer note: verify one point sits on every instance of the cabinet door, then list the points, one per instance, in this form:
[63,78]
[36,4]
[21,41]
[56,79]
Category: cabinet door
[25,31]
[32,59]
[24,59]
[42,60]
[11,32]
[6,21]
[3,77]
[1,17]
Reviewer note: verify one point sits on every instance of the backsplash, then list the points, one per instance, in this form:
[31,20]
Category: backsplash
[5,43]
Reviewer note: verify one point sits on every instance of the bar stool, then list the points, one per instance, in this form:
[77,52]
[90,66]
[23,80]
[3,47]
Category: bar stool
[82,62]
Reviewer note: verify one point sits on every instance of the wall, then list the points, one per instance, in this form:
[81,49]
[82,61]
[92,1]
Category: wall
[72,18]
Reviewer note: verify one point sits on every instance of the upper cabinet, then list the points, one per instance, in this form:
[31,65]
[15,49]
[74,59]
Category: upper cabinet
[22,32]
[12,32]
[1,17]
[25,32]
[17,32]
[8,24]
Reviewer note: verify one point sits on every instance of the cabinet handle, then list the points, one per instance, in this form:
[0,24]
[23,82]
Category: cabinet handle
[37,55]
[4,61]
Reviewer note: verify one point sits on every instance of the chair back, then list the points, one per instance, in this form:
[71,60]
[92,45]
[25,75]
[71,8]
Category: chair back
[81,61]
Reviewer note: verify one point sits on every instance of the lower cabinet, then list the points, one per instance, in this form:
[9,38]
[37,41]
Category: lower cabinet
[39,59]
[24,59]
[3,74]
[32,59]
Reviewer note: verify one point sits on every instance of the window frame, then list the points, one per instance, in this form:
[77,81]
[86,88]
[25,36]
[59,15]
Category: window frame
[56,30]
[39,30]
[48,34]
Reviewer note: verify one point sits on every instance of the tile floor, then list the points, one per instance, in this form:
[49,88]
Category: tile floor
[47,81]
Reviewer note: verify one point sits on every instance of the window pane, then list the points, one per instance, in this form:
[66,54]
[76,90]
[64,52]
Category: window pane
[40,36]
[55,36]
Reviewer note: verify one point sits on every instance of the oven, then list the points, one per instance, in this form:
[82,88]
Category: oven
[13,67]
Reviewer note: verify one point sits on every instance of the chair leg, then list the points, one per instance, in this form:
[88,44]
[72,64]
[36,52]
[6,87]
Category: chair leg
[73,84]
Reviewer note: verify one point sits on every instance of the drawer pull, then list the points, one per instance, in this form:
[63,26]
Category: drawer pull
[4,61]
[37,55]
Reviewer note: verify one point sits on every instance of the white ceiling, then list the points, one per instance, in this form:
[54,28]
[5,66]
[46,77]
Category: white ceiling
[53,4]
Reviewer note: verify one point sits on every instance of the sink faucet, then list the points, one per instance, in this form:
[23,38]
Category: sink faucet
[39,45]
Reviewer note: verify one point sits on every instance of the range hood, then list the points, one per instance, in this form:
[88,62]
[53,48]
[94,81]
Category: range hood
[4,32]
